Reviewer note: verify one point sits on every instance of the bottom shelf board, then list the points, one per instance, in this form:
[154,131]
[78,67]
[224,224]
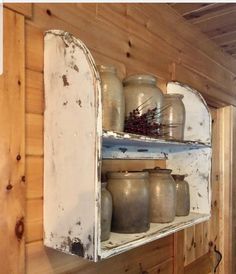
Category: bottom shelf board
[119,243]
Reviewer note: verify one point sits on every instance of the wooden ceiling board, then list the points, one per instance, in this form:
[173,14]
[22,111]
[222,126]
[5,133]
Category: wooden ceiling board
[229,46]
[224,38]
[221,21]
[222,30]
[209,14]
[186,8]
[216,20]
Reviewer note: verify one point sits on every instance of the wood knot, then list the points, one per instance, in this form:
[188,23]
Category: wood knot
[9,186]
[127,54]
[210,244]
[19,228]
[18,157]
[48,12]
[130,43]
[19,82]
[23,178]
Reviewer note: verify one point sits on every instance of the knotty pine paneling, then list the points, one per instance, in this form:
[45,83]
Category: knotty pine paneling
[12,146]
[48,261]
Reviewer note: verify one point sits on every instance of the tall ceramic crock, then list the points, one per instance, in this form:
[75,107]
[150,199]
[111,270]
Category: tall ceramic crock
[113,101]
[142,92]
[106,213]
[174,116]
[182,195]
[162,196]
[130,195]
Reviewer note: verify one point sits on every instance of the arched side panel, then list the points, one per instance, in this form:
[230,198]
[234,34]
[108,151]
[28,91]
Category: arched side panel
[198,117]
[72,142]
[196,164]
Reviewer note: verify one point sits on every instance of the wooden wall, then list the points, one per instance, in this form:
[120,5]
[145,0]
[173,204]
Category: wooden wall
[146,38]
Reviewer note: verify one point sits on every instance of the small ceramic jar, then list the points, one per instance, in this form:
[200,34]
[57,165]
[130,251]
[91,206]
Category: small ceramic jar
[106,213]
[113,102]
[162,196]
[174,116]
[130,194]
[182,195]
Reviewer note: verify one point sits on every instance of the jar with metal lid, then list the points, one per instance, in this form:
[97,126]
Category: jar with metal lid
[142,96]
[182,195]
[174,116]
[113,101]
[106,212]
[130,195]
[162,196]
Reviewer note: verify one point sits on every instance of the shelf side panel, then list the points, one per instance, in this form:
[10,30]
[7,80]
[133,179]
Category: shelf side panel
[71,146]
[197,166]
[198,117]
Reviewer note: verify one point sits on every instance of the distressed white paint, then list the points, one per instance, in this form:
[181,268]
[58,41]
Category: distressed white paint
[198,118]
[117,244]
[197,166]
[73,145]
[118,145]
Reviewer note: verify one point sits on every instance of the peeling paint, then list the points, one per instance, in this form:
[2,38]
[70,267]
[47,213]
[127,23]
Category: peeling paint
[65,82]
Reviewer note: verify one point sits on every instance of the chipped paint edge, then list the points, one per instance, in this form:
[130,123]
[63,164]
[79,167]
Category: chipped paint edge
[67,39]
[108,253]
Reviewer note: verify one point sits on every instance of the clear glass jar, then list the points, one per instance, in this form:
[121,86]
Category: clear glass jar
[173,117]
[142,93]
[113,100]
[130,194]
[182,195]
[106,212]
[162,196]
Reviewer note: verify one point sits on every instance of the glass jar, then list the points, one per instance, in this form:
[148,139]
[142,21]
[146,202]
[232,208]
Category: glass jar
[173,116]
[130,194]
[162,196]
[113,101]
[142,95]
[106,213]
[182,195]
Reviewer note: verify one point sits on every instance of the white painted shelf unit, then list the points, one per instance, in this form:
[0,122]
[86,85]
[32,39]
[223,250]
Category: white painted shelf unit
[74,146]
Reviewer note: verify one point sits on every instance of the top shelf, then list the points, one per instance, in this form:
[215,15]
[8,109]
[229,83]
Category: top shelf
[120,145]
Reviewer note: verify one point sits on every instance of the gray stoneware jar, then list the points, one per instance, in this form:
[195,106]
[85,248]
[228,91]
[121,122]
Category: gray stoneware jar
[182,195]
[130,194]
[162,196]
[106,213]
[174,116]
[113,101]
[141,91]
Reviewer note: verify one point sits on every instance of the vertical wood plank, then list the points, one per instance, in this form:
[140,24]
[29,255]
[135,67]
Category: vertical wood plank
[12,146]
[190,245]
[179,252]
[226,179]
